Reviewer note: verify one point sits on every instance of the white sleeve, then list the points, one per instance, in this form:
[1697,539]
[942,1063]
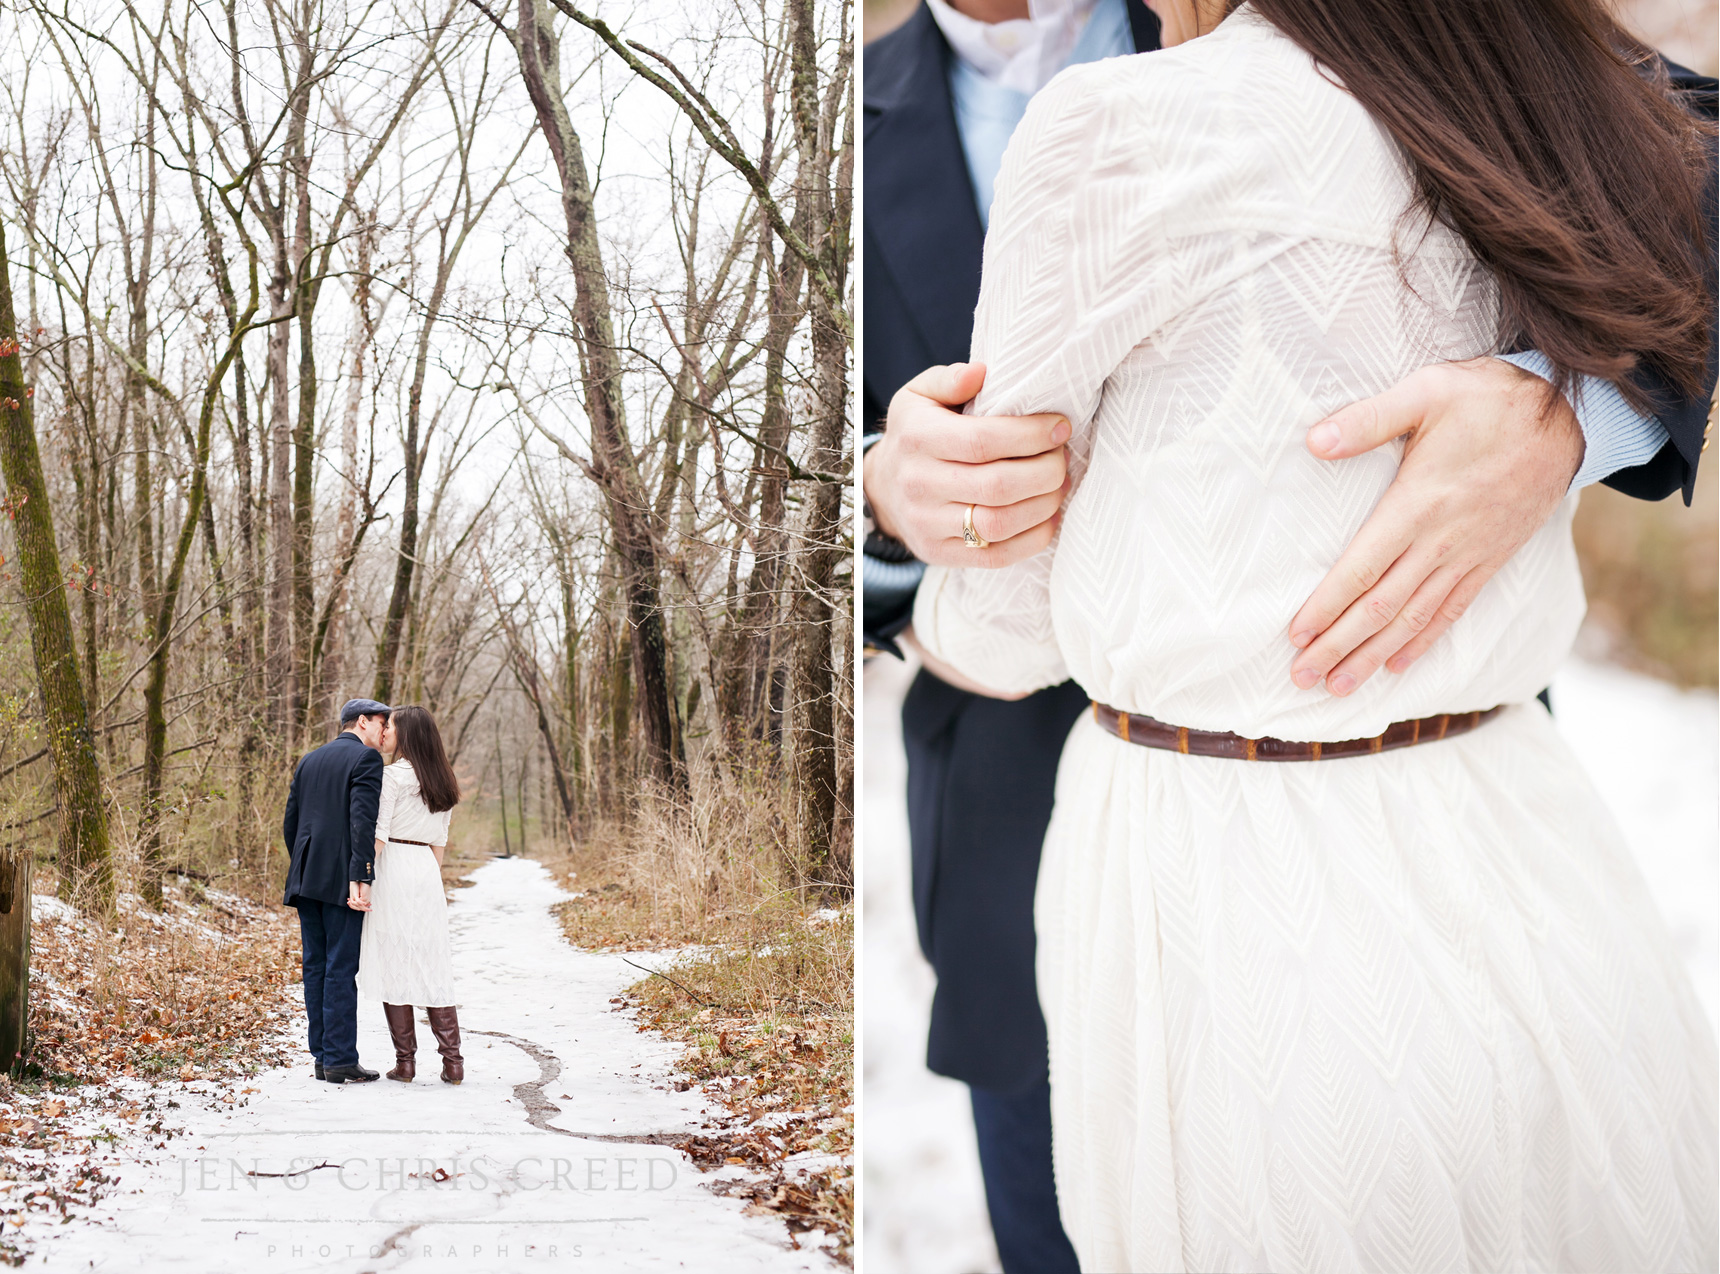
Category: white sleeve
[1078,271]
[390,798]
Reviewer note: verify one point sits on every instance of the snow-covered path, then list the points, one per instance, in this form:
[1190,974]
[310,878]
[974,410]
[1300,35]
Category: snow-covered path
[550,1154]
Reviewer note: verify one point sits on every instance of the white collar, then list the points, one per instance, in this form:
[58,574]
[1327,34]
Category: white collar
[1022,53]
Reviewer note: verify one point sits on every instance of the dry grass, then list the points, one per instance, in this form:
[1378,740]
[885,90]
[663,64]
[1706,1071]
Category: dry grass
[764,999]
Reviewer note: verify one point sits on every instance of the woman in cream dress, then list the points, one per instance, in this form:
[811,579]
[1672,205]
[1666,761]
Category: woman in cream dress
[404,959]
[1400,1013]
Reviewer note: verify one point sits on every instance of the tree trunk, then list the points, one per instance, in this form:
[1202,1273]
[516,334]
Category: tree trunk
[155,686]
[278,660]
[746,665]
[86,869]
[813,684]
[333,669]
[613,462]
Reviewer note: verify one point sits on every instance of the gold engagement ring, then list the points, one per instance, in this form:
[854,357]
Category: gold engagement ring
[970,537]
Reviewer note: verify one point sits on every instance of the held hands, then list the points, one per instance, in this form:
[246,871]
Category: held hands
[1490,453]
[933,462]
[358,895]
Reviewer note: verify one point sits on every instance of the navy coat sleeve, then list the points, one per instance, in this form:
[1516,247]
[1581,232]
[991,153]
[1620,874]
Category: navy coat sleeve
[290,823]
[365,796]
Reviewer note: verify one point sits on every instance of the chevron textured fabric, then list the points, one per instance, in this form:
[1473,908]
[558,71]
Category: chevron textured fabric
[1403,1013]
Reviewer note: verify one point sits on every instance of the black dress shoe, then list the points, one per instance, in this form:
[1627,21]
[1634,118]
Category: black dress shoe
[320,1074]
[354,1074]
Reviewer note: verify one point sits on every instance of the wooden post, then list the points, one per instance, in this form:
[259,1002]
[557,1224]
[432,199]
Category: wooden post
[14,955]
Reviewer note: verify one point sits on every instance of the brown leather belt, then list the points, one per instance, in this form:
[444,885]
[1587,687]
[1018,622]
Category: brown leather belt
[1131,727]
[395,841]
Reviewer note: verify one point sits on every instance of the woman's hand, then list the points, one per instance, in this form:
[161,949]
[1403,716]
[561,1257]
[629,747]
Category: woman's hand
[438,850]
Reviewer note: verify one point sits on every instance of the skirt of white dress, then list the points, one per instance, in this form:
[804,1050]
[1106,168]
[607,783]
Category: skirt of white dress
[404,957]
[1402,1013]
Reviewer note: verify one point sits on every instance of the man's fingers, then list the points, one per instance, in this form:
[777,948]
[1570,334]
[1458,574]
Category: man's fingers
[979,440]
[1450,611]
[1016,548]
[1370,613]
[1364,425]
[1383,539]
[951,384]
[997,524]
[998,484]
[1418,615]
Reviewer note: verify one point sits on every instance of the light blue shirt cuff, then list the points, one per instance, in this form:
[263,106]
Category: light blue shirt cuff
[1615,435]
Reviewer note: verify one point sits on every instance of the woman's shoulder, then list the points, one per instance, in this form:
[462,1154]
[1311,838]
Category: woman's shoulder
[400,771]
[1240,123]
[1245,60]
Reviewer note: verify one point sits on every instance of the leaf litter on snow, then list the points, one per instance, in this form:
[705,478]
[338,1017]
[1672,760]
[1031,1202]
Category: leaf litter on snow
[127,1021]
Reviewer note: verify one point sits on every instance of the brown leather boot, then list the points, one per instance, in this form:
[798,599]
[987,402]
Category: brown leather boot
[445,1026]
[405,1035]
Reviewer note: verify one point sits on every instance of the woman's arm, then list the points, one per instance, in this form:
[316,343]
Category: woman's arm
[386,804]
[1088,223]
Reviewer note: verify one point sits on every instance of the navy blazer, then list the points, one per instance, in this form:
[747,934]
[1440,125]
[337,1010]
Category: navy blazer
[922,229]
[330,824]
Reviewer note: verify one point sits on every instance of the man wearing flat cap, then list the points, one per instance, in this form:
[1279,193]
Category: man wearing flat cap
[330,828]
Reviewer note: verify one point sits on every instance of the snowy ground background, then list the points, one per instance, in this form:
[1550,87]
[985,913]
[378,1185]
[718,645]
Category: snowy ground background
[1651,748]
[550,1155]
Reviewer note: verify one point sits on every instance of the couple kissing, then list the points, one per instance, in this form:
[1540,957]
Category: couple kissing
[366,841]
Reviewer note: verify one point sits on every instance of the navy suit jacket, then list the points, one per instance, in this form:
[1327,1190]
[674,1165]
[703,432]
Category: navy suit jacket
[330,824]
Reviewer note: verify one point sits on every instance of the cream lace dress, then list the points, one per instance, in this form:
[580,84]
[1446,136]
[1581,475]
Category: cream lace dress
[404,957]
[1402,1013]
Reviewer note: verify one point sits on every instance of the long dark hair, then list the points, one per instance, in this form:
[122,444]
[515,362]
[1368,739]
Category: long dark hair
[420,742]
[1554,144]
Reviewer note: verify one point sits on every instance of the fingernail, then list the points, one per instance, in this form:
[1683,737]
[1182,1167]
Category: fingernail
[1342,684]
[1057,518]
[958,368]
[1302,638]
[1397,663]
[1324,437]
[1305,678]
[1060,432]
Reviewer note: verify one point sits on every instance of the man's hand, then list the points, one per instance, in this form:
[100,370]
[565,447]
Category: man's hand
[358,895]
[1490,453]
[933,462]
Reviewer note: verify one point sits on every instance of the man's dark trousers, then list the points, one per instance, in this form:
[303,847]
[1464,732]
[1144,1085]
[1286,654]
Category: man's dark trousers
[330,934]
[330,831]
[981,775]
